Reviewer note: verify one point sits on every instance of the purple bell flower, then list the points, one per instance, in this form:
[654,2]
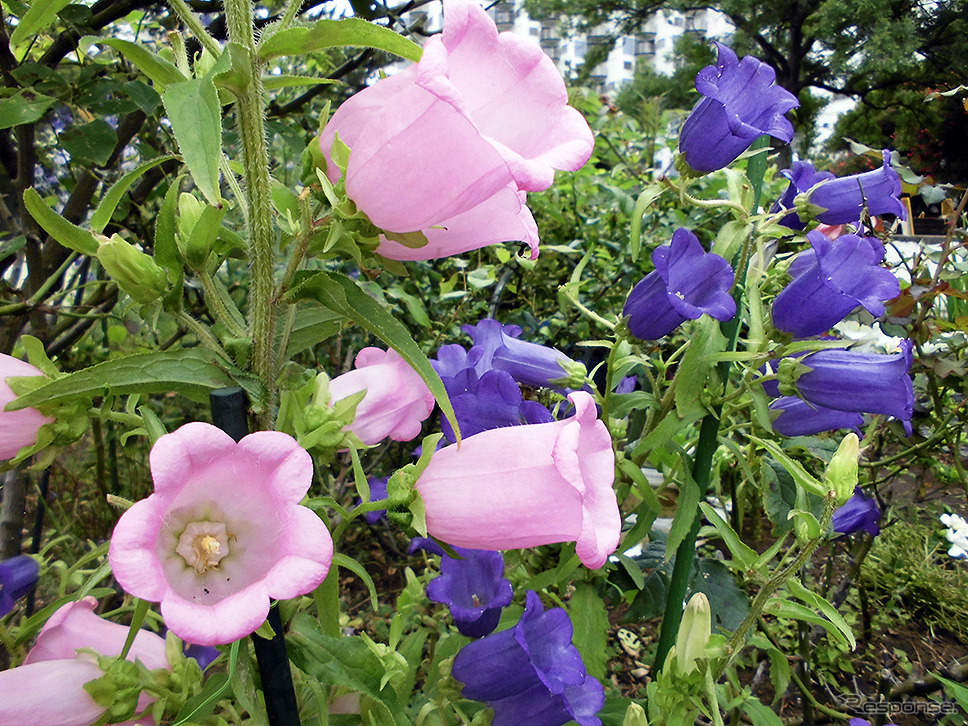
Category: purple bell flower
[18,575]
[802,176]
[528,363]
[687,282]
[799,418]
[844,198]
[860,512]
[740,103]
[532,673]
[863,382]
[830,282]
[378,491]
[474,588]
[452,359]
[491,402]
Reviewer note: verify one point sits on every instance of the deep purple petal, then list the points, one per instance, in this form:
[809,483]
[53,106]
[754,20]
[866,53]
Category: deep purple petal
[650,313]
[844,198]
[799,418]
[860,512]
[18,575]
[862,382]
[547,638]
[740,102]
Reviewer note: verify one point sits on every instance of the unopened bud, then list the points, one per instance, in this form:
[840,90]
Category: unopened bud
[135,272]
[841,474]
[694,632]
[635,716]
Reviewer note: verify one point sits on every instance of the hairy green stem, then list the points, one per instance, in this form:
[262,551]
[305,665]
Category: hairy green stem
[251,114]
[194,24]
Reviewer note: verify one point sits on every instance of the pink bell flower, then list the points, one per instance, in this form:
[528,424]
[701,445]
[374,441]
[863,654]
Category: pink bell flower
[75,625]
[528,485]
[396,402]
[449,146]
[48,689]
[17,428]
[50,693]
[222,533]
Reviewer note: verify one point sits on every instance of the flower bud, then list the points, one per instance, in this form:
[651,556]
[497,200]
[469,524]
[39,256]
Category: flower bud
[635,716]
[694,632]
[841,474]
[135,272]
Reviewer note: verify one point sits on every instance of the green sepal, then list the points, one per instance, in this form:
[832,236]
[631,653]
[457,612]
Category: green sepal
[404,503]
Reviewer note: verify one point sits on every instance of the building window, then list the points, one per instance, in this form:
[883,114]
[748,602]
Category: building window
[629,65]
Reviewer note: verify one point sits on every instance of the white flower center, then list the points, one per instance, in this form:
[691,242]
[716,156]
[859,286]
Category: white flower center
[203,545]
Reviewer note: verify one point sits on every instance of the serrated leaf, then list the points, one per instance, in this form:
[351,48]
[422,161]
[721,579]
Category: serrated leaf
[686,513]
[796,611]
[313,325]
[190,371]
[693,374]
[346,662]
[109,202]
[343,296]
[40,13]
[333,33]
[813,599]
[161,72]
[590,620]
[66,233]
[196,119]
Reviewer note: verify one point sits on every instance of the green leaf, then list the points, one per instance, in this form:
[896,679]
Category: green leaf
[161,72]
[646,198]
[590,620]
[40,13]
[744,555]
[92,143]
[799,474]
[191,371]
[693,375]
[196,119]
[813,599]
[761,714]
[347,662]
[274,83]
[23,107]
[66,233]
[166,248]
[685,514]
[342,295]
[795,611]
[332,33]
[109,202]
[313,325]
[957,691]
[348,563]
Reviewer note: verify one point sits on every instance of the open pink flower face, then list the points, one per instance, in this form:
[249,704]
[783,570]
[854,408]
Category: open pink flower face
[223,532]
[461,137]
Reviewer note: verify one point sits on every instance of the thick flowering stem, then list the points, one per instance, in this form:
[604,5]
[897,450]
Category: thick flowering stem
[251,109]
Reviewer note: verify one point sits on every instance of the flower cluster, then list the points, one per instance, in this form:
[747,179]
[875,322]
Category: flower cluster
[483,382]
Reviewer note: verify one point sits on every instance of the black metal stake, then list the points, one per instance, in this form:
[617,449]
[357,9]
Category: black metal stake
[229,408]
